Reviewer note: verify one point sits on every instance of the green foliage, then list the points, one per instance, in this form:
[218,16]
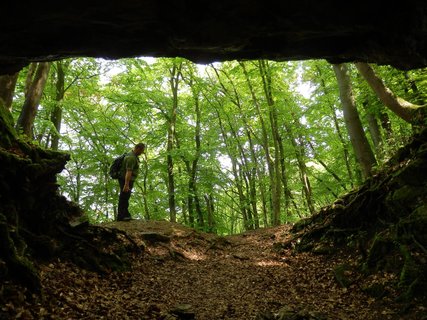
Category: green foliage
[224,136]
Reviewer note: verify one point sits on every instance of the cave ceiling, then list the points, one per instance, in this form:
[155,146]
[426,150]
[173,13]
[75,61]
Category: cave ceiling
[393,33]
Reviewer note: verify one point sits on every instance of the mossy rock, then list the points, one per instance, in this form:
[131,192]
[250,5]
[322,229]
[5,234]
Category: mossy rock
[382,246]
[413,227]
[301,224]
[414,174]
[405,196]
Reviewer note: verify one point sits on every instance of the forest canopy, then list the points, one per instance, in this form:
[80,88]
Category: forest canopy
[231,146]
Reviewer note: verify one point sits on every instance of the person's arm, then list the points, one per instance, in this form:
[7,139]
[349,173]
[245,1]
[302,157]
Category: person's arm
[127,180]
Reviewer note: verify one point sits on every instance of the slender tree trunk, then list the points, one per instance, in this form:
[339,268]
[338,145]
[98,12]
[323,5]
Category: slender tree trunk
[26,119]
[386,125]
[239,171]
[402,108]
[7,89]
[234,168]
[194,166]
[251,164]
[56,115]
[277,180]
[241,194]
[190,203]
[307,191]
[147,214]
[287,195]
[299,153]
[193,202]
[275,208]
[77,182]
[210,212]
[340,135]
[29,78]
[174,82]
[374,129]
[264,194]
[185,211]
[362,149]
[200,218]
[243,173]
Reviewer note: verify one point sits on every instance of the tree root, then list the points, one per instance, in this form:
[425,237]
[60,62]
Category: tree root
[17,265]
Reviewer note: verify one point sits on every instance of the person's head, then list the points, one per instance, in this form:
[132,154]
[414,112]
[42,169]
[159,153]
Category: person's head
[139,148]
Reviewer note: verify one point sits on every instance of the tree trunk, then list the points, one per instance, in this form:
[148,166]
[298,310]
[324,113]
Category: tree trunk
[234,166]
[29,78]
[402,108]
[386,125]
[362,149]
[275,207]
[299,153]
[240,176]
[194,165]
[147,214]
[276,186]
[340,135]
[174,82]
[26,119]
[193,203]
[210,212]
[251,164]
[7,89]
[374,129]
[56,115]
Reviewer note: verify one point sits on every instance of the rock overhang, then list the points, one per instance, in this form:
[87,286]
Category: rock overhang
[205,31]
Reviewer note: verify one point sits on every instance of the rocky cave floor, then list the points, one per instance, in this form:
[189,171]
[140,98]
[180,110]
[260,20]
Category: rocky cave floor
[185,274]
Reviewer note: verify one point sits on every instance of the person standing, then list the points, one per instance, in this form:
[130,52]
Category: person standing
[128,173]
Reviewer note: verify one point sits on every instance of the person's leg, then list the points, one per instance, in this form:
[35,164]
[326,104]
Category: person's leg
[123,207]
[127,213]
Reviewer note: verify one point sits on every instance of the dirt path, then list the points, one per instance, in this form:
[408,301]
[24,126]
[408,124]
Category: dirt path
[208,277]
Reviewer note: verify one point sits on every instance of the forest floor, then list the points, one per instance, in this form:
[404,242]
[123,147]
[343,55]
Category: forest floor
[185,274]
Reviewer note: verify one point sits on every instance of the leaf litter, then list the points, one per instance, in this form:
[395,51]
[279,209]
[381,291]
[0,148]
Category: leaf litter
[182,273]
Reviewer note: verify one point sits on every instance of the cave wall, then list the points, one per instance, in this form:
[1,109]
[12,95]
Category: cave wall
[392,33]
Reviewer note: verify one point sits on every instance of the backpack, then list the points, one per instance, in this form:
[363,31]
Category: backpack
[115,166]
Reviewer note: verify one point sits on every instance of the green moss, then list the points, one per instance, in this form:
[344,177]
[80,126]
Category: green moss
[301,224]
[7,131]
[413,227]
[406,194]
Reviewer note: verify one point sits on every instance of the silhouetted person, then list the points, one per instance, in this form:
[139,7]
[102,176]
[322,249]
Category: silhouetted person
[128,173]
